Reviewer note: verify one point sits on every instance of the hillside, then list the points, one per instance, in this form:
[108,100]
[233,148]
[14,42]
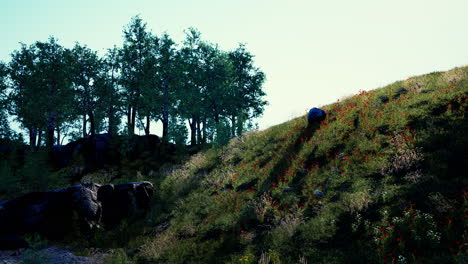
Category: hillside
[381,180]
[389,162]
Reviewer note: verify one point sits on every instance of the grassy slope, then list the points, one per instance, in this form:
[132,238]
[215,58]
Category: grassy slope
[391,174]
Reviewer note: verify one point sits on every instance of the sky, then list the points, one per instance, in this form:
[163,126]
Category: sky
[312,52]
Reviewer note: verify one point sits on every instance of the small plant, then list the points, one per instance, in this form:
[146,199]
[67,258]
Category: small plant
[247,259]
[117,257]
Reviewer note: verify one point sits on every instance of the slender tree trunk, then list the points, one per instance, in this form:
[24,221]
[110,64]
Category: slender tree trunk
[58,135]
[132,131]
[199,137]
[92,122]
[192,132]
[204,131]
[129,120]
[111,128]
[147,128]
[50,131]
[84,126]
[32,138]
[39,140]
[216,115]
[233,126]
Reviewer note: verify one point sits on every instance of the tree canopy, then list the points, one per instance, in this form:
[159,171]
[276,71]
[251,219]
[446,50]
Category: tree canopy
[54,91]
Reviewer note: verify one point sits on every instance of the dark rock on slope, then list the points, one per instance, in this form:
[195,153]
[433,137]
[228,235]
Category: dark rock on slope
[316,115]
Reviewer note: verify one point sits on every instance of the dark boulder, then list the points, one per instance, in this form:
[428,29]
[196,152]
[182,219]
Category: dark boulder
[122,200]
[400,91]
[383,99]
[143,145]
[316,115]
[53,214]
[12,243]
[95,151]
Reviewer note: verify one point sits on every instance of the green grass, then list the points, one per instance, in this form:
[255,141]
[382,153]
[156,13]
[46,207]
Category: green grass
[369,158]
[392,175]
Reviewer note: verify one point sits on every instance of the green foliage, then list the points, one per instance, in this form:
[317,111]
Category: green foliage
[223,134]
[31,256]
[118,256]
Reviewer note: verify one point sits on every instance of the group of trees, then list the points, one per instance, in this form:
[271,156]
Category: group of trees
[54,91]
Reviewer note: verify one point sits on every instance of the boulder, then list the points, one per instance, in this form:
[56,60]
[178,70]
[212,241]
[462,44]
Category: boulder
[12,243]
[318,193]
[316,115]
[383,99]
[143,145]
[400,91]
[52,214]
[96,151]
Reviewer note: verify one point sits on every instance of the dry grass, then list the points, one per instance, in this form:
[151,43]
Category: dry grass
[158,245]
[290,223]
[264,258]
[356,202]
[455,75]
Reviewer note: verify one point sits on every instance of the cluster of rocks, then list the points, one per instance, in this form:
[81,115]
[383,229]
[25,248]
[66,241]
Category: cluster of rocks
[54,214]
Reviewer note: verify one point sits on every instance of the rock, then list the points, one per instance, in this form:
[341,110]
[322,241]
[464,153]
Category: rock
[318,193]
[51,213]
[12,243]
[400,91]
[383,129]
[94,152]
[383,99]
[122,200]
[143,145]
[316,115]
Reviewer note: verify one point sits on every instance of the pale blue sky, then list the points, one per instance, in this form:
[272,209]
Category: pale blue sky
[313,52]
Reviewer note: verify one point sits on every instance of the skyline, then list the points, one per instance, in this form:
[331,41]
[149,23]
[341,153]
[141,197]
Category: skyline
[312,53]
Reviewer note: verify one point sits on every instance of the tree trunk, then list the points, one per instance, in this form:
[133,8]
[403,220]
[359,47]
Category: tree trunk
[147,128]
[91,122]
[58,135]
[216,115]
[129,119]
[50,131]
[84,126]
[233,126]
[132,124]
[39,138]
[192,132]
[199,139]
[32,138]
[111,129]
[204,131]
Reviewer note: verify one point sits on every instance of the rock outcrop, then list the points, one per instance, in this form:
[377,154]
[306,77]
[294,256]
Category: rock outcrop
[89,154]
[55,213]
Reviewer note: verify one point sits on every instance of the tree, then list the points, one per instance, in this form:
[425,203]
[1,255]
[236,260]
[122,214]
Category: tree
[135,53]
[27,97]
[166,78]
[245,91]
[53,66]
[107,90]
[85,68]
[189,96]
[5,131]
